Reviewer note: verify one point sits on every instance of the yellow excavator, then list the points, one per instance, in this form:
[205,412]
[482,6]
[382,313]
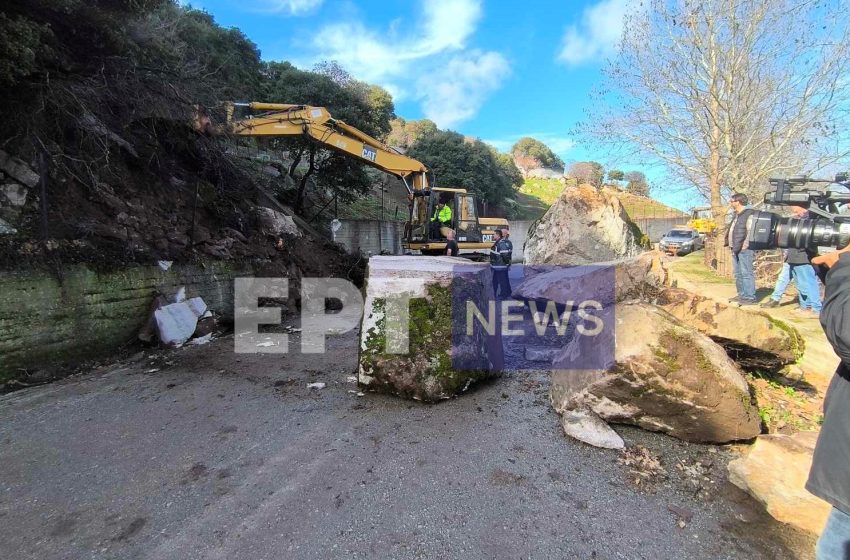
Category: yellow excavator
[702,220]
[316,123]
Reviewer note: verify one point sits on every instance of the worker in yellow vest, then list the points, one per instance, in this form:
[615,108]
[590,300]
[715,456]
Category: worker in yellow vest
[442,218]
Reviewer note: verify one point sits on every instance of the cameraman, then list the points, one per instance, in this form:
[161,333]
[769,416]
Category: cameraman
[829,477]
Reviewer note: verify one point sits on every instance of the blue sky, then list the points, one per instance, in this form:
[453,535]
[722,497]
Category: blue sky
[496,70]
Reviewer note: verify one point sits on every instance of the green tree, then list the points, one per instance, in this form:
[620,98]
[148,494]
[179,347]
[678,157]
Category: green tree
[347,100]
[508,169]
[405,133]
[466,163]
[615,175]
[379,102]
[531,147]
[215,64]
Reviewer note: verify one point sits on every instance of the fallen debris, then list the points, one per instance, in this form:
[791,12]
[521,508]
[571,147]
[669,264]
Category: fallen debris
[176,322]
[317,385]
[201,340]
[645,468]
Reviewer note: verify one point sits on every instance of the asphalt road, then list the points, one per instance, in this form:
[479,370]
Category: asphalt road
[219,455]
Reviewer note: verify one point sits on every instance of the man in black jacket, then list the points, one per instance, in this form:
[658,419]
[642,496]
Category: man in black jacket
[742,255]
[829,477]
[500,262]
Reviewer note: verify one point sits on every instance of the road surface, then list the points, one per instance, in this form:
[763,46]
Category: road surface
[203,453]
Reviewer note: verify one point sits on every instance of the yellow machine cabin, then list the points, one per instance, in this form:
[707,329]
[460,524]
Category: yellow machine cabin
[422,231]
[702,220]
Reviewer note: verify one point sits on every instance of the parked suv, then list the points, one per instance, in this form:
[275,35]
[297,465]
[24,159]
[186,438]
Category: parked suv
[681,241]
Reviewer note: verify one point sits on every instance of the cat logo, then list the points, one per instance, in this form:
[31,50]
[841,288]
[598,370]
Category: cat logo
[369,153]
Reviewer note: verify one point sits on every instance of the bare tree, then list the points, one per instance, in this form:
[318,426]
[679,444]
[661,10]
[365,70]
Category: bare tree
[727,93]
[637,183]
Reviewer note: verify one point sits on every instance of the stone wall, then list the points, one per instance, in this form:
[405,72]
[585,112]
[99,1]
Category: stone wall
[46,319]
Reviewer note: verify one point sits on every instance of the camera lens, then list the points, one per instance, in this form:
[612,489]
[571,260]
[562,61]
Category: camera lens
[771,231]
[829,234]
[807,233]
[793,232]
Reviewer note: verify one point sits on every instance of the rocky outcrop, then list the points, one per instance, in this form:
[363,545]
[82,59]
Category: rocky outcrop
[530,166]
[438,361]
[583,226]
[276,223]
[16,179]
[774,471]
[640,277]
[662,376]
[759,332]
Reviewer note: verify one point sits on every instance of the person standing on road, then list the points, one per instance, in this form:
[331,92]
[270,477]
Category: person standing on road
[500,262]
[506,237]
[452,249]
[797,267]
[829,477]
[742,255]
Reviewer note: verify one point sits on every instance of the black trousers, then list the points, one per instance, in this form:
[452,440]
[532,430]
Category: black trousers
[501,283]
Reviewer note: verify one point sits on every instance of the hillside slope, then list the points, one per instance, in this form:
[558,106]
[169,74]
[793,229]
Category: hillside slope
[537,194]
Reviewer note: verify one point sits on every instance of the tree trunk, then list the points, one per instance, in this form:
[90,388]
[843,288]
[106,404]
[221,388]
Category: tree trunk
[295,162]
[302,185]
[714,171]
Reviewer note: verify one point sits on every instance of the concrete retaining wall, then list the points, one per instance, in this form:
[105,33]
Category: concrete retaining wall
[655,228]
[45,319]
[519,233]
[370,237]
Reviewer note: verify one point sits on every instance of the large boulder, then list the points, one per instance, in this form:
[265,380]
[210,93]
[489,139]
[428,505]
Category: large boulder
[774,471]
[583,226]
[640,277]
[662,376]
[275,223]
[18,170]
[440,361]
[764,337]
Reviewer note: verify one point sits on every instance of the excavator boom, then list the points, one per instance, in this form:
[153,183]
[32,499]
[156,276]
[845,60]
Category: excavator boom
[421,232]
[279,119]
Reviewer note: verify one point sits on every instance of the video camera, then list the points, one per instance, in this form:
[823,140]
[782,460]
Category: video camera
[825,226]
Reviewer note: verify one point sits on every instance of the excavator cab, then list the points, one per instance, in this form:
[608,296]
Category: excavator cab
[471,231]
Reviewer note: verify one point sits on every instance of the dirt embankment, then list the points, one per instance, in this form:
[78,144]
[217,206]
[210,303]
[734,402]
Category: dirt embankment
[175,196]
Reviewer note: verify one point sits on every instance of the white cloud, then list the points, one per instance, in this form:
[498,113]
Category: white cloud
[428,61]
[598,33]
[288,7]
[455,92]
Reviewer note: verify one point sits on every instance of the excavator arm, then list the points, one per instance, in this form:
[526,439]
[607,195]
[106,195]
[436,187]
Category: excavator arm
[279,119]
